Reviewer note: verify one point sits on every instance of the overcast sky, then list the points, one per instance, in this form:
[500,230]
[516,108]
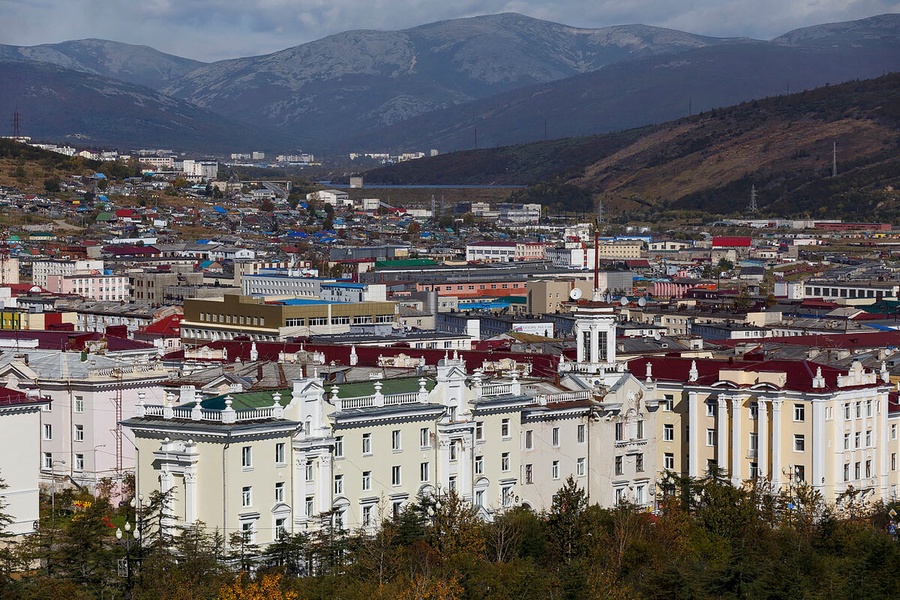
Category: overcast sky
[216,29]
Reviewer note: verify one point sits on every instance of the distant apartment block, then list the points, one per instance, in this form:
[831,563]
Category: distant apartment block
[42,269]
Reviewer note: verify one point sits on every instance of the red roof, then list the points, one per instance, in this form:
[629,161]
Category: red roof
[167,326]
[126,212]
[10,397]
[725,241]
[800,373]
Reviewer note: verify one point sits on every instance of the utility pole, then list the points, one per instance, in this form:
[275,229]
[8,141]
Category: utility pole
[834,161]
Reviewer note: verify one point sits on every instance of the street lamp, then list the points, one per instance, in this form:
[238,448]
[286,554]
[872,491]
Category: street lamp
[128,538]
[95,465]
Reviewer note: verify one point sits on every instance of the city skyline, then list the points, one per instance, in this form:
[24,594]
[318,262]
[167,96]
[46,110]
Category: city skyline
[209,31]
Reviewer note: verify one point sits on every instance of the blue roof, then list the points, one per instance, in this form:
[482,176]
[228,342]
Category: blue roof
[99,175]
[353,286]
[303,302]
[219,209]
[102,198]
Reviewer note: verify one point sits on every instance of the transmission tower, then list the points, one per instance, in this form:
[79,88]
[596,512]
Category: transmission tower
[16,123]
[753,207]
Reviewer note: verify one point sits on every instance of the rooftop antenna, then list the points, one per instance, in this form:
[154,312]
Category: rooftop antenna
[753,207]
[16,123]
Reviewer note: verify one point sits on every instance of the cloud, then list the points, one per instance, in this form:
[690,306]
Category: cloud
[217,29]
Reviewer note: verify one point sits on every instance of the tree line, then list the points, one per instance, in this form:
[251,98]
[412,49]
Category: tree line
[708,539]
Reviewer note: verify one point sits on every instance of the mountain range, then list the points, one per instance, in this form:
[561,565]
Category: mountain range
[491,80]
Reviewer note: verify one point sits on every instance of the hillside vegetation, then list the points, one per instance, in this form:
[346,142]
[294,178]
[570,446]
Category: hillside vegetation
[709,162]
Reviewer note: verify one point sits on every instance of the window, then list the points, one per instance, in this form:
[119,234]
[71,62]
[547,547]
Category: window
[846,441]
[710,437]
[799,413]
[858,409]
[620,495]
[846,471]
[799,473]
[280,526]
[529,440]
[48,431]
[367,515]
[338,484]
[479,497]
[454,450]
[620,465]
[669,461]
[868,468]
[395,440]
[868,408]
[79,462]
[857,437]
[893,431]
[710,408]
[754,443]
[309,471]
[367,443]
[668,403]
[279,453]
[424,437]
[246,496]
[799,442]
[579,467]
[554,470]
[754,470]
[79,433]
[504,462]
[639,463]
[620,432]
[48,460]
[668,433]
[856,470]
[479,465]
[479,431]
[451,483]
[79,404]
[868,438]
[504,428]
[555,437]
[279,491]
[309,506]
[424,472]
[640,430]
[754,411]
[339,446]
[893,461]
[395,475]
[367,481]
[246,457]
[847,411]
[247,532]
[582,430]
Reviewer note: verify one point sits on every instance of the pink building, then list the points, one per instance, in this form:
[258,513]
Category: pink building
[91,287]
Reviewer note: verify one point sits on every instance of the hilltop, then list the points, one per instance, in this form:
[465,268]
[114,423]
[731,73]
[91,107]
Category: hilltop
[708,162]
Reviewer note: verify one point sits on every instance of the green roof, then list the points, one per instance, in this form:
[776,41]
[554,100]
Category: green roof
[401,263]
[389,386]
[244,401]
[105,216]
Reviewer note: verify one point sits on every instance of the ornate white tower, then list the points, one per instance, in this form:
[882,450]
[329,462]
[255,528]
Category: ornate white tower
[595,337]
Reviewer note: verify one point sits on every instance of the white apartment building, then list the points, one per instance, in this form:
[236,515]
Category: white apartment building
[42,269]
[20,457]
[88,394]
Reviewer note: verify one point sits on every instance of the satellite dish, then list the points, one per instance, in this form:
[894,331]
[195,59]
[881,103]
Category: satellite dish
[656,336]
[642,302]
[575,294]
[623,301]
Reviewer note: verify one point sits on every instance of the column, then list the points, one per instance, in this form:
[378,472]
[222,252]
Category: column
[776,444]
[299,491]
[722,433]
[579,344]
[166,481]
[595,345]
[818,448]
[443,474]
[762,438]
[881,441]
[838,437]
[693,439]
[736,441]
[464,475]
[190,495]
[325,484]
